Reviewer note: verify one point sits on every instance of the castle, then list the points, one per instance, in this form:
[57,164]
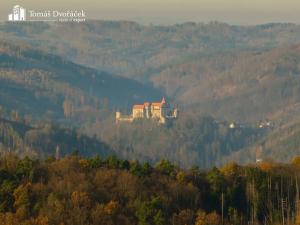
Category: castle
[159,111]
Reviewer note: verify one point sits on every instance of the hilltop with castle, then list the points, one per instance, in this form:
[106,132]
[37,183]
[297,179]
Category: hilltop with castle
[159,111]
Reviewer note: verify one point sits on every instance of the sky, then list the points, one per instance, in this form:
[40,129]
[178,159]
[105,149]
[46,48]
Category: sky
[239,12]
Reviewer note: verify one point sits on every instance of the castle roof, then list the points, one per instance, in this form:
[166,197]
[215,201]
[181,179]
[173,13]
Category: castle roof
[156,104]
[147,104]
[138,106]
[163,101]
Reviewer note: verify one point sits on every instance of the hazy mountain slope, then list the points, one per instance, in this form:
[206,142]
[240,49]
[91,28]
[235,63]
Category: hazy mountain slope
[233,72]
[37,83]
[243,85]
[282,144]
[138,51]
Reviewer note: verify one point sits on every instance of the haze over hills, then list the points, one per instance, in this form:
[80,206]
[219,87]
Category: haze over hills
[281,144]
[138,51]
[233,73]
[213,68]
[249,85]
[45,85]
[118,123]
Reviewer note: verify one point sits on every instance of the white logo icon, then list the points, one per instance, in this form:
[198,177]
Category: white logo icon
[18,14]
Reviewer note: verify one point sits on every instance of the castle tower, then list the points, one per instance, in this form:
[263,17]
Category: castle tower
[147,110]
[118,115]
[175,113]
[164,109]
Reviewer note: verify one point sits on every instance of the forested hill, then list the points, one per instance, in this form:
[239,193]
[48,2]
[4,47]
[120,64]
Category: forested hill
[245,85]
[45,139]
[139,51]
[242,74]
[282,144]
[190,140]
[43,85]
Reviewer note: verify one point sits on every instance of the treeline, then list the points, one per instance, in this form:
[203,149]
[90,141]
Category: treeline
[80,191]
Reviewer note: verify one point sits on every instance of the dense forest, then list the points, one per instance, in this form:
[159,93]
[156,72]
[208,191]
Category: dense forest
[44,139]
[80,191]
[189,140]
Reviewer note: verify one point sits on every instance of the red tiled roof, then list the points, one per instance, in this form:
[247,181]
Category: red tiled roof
[146,104]
[138,106]
[156,104]
[159,103]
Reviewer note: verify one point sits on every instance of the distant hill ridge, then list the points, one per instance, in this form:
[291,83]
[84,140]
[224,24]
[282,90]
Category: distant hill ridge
[189,61]
[34,82]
